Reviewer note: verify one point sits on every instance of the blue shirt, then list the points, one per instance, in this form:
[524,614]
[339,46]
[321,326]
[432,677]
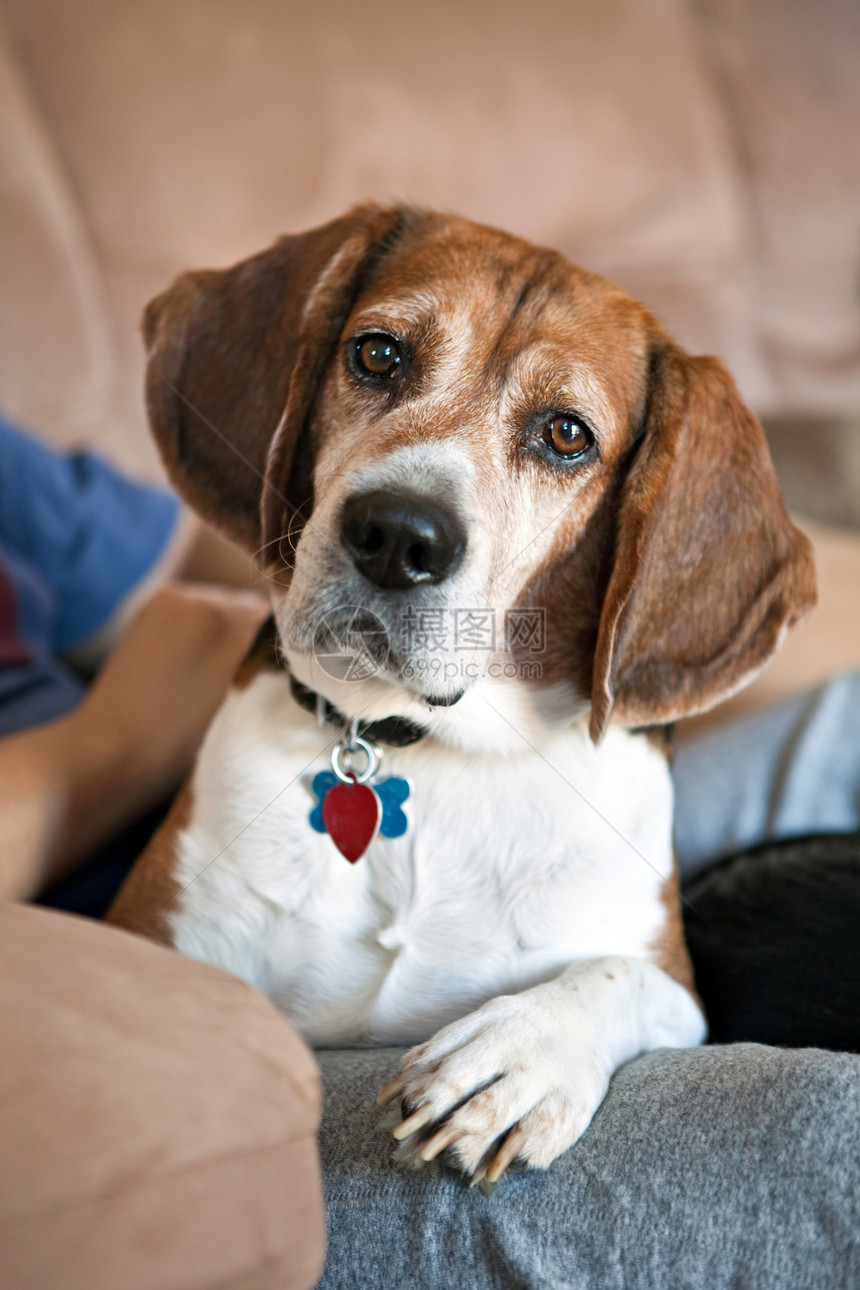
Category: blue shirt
[76,537]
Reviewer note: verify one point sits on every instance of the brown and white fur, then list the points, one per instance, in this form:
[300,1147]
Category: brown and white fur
[525,933]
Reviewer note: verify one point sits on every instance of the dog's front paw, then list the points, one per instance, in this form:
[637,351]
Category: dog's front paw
[516,1080]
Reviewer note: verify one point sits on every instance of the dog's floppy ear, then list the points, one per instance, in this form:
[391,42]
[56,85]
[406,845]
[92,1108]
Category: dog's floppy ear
[236,355]
[708,570]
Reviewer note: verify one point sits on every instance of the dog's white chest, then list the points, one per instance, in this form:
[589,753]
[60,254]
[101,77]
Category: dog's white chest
[512,868]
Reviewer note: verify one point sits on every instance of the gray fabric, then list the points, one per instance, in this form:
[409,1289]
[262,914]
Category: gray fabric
[715,1167]
[784,772]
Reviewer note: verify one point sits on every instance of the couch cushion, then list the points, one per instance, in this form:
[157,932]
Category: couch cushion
[195,133]
[56,350]
[716,1167]
[157,1119]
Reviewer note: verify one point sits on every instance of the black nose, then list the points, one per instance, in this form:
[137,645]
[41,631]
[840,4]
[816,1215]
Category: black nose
[399,541]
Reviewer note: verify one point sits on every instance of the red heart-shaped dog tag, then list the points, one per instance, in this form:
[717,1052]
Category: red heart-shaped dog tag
[351,815]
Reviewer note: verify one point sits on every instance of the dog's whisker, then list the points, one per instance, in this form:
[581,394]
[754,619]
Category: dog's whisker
[265,545]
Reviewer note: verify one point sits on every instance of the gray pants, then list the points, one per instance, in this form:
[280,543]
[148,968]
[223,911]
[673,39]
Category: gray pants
[783,772]
[734,1166]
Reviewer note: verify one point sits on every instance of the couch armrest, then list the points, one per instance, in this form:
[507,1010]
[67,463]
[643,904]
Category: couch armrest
[157,1119]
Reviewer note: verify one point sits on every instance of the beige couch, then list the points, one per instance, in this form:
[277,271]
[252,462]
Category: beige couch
[157,1117]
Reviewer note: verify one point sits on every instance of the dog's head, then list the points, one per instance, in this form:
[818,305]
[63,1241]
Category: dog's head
[457,455]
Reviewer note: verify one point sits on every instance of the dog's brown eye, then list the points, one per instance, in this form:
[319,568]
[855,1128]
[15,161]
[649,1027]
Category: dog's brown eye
[567,436]
[378,355]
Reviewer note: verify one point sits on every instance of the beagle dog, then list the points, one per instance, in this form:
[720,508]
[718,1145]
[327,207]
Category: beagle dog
[511,531]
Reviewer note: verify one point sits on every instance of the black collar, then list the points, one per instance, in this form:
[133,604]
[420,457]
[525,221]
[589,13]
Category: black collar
[397,732]
[265,652]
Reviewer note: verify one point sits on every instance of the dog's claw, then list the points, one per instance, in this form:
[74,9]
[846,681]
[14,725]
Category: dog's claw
[392,1090]
[413,1123]
[440,1141]
[508,1151]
